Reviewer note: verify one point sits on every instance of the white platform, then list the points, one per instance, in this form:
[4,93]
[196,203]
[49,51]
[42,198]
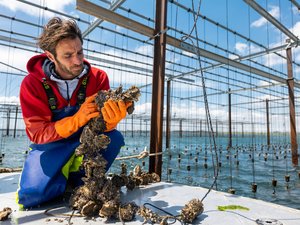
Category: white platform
[170,197]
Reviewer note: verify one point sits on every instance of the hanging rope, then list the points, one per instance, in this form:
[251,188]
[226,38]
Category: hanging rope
[208,117]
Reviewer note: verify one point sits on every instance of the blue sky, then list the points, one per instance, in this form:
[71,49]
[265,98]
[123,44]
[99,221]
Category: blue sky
[235,14]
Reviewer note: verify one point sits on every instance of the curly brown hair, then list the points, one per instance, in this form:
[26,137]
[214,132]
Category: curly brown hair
[56,30]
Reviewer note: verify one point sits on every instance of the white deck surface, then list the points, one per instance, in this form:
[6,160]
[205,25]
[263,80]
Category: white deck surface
[170,197]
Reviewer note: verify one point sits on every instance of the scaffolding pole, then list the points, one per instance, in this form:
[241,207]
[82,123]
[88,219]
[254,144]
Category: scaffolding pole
[293,132]
[268,122]
[155,162]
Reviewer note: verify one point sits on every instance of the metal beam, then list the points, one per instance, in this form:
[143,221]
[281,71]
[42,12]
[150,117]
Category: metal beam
[95,24]
[17,41]
[296,4]
[236,91]
[238,59]
[125,22]
[271,19]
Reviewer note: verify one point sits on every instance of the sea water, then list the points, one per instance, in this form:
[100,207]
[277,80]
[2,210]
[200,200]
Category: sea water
[193,161]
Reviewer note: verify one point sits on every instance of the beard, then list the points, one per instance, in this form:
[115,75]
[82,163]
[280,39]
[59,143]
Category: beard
[73,70]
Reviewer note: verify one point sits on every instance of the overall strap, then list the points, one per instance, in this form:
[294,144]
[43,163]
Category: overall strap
[52,101]
[82,90]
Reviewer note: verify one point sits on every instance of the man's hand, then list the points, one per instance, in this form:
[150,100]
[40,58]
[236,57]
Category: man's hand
[113,112]
[87,111]
[69,125]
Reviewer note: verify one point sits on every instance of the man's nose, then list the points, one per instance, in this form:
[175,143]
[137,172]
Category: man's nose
[77,60]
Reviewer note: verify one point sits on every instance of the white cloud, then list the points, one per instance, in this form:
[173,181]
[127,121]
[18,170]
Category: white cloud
[273,60]
[143,109]
[189,54]
[120,29]
[34,11]
[9,100]
[115,73]
[14,57]
[241,48]
[145,49]
[275,12]
[264,83]
[296,29]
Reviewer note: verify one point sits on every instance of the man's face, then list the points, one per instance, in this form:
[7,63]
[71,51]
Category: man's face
[69,58]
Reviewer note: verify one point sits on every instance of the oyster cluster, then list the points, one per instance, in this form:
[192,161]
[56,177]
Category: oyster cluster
[191,210]
[100,194]
[187,215]
[5,213]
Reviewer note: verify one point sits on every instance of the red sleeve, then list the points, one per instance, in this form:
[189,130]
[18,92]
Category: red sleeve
[36,113]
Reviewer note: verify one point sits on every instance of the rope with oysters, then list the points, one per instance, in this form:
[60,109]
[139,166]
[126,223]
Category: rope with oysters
[100,195]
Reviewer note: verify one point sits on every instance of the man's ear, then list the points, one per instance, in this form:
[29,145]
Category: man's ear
[50,55]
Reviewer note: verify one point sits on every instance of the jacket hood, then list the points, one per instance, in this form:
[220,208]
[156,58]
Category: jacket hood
[35,66]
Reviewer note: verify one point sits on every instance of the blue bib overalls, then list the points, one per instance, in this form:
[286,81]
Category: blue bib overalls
[49,167]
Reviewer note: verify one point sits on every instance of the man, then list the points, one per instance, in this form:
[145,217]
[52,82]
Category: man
[57,99]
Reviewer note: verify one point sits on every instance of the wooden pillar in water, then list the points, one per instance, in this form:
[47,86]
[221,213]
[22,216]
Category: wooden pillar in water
[155,162]
[132,125]
[16,120]
[200,128]
[168,117]
[180,128]
[141,128]
[216,128]
[229,120]
[8,122]
[293,132]
[243,130]
[268,122]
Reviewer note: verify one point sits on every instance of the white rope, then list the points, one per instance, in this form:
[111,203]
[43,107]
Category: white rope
[143,154]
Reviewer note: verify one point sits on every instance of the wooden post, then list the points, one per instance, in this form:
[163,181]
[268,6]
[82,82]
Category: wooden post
[8,122]
[229,120]
[155,162]
[180,128]
[268,123]
[293,132]
[16,120]
[132,125]
[216,128]
[200,128]
[168,119]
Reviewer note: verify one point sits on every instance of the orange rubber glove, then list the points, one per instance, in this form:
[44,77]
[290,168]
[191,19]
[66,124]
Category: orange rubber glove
[113,112]
[69,125]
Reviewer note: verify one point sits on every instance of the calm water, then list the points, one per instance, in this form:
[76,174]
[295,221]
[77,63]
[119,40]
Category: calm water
[189,161]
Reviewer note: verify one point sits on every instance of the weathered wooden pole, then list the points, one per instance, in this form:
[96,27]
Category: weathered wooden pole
[155,162]
[229,120]
[8,122]
[16,120]
[293,132]
[268,123]
[168,117]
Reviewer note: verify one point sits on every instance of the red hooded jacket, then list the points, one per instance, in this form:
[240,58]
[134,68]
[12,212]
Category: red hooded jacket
[34,100]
